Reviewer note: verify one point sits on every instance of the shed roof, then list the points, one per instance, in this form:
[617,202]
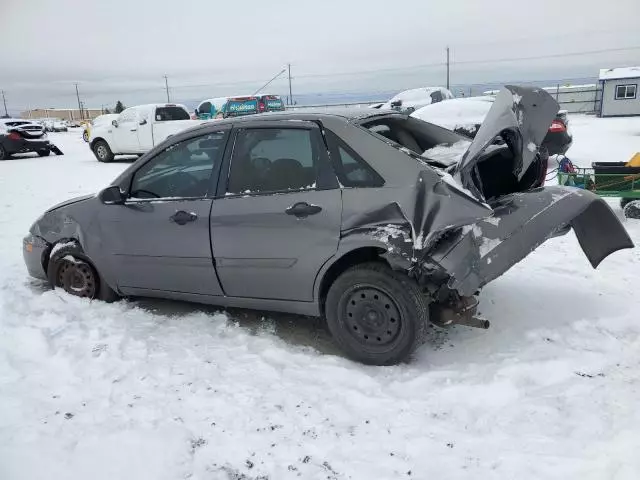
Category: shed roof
[619,73]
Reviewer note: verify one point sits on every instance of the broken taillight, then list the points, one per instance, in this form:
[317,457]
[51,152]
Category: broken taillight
[14,136]
[557,126]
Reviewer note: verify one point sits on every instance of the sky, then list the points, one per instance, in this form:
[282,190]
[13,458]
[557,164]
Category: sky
[121,49]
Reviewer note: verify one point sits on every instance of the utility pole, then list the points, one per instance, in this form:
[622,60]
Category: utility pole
[4,100]
[447,67]
[290,93]
[79,104]
[166,85]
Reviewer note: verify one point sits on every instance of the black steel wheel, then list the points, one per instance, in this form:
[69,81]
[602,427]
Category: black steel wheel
[372,316]
[77,278]
[376,315]
[71,270]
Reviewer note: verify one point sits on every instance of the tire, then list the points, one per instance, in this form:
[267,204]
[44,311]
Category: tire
[376,316]
[632,209]
[85,136]
[44,153]
[3,153]
[70,270]
[102,151]
[625,201]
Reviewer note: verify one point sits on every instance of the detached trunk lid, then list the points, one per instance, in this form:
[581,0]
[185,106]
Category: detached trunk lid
[521,116]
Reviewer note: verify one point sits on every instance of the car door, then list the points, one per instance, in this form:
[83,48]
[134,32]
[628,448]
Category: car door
[125,135]
[159,239]
[279,219]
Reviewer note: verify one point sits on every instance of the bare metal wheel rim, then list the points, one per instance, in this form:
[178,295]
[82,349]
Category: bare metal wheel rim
[371,316]
[77,279]
[102,151]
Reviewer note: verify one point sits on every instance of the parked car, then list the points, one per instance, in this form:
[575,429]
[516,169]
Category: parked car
[411,100]
[334,214]
[138,129]
[225,107]
[99,120]
[465,115]
[59,126]
[22,136]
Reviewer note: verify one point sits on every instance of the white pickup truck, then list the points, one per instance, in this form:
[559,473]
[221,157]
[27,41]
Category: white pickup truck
[138,129]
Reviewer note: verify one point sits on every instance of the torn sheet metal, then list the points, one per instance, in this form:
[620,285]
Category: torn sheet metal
[521,116]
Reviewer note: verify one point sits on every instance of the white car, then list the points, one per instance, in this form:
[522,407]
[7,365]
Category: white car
[138,129]
[411,100]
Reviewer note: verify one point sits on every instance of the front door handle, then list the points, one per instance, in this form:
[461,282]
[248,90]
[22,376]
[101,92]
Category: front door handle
[134,129]
[303,209]
[182,218]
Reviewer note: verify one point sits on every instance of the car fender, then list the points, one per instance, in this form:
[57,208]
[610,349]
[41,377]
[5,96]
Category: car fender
[64,224]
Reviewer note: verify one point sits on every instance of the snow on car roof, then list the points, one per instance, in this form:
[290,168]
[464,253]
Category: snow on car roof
[417,93]
[456,112]
[619,73]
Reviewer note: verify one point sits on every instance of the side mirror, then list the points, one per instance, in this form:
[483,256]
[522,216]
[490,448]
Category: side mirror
[196,112]
[143,122]
[396,104]
[112,196]
[115,123]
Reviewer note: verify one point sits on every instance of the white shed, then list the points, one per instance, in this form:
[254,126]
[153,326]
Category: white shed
[620,92]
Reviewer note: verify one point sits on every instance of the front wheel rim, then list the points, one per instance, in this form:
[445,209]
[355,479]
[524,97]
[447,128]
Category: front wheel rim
[77,279]
[371,317]
[102,152]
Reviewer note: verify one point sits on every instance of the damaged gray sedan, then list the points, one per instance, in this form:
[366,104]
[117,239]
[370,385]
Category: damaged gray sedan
[376,220]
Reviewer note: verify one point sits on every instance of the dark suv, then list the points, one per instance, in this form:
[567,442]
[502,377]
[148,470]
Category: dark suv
[340,215]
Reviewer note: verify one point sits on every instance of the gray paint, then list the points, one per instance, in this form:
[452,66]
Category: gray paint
[622,107]
[245,251]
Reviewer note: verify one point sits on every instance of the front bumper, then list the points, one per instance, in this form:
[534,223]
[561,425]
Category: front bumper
[35,251]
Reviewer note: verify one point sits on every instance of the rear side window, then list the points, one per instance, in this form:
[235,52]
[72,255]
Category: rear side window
[166,114]
[350,168]
[273,160]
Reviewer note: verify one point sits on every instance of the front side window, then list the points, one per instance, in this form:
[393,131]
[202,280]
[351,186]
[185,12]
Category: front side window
[129,115]
[183,170]
[273,160]
[205,107]
[626,92]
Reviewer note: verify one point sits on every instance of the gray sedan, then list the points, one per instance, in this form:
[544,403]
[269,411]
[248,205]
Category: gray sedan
[380,222]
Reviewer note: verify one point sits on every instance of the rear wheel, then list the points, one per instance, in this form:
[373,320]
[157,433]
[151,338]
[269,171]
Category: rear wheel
[632,209]
[102,151]
[68,269]
[3,153]
[377,316]
[85,136]
[44,153]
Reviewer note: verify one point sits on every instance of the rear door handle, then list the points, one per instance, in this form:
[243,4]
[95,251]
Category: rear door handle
[303,209]
[182,218]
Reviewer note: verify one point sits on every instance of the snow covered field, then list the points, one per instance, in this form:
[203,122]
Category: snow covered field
[162,390]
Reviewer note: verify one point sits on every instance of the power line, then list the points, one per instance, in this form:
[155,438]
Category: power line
[269,82]
[541,57]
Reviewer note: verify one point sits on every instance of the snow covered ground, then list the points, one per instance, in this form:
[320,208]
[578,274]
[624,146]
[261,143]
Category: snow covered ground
[163,390]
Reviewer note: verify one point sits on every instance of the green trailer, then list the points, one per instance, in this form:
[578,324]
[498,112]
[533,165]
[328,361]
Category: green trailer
[608,179]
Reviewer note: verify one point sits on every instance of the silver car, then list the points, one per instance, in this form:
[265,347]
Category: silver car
[380,222]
